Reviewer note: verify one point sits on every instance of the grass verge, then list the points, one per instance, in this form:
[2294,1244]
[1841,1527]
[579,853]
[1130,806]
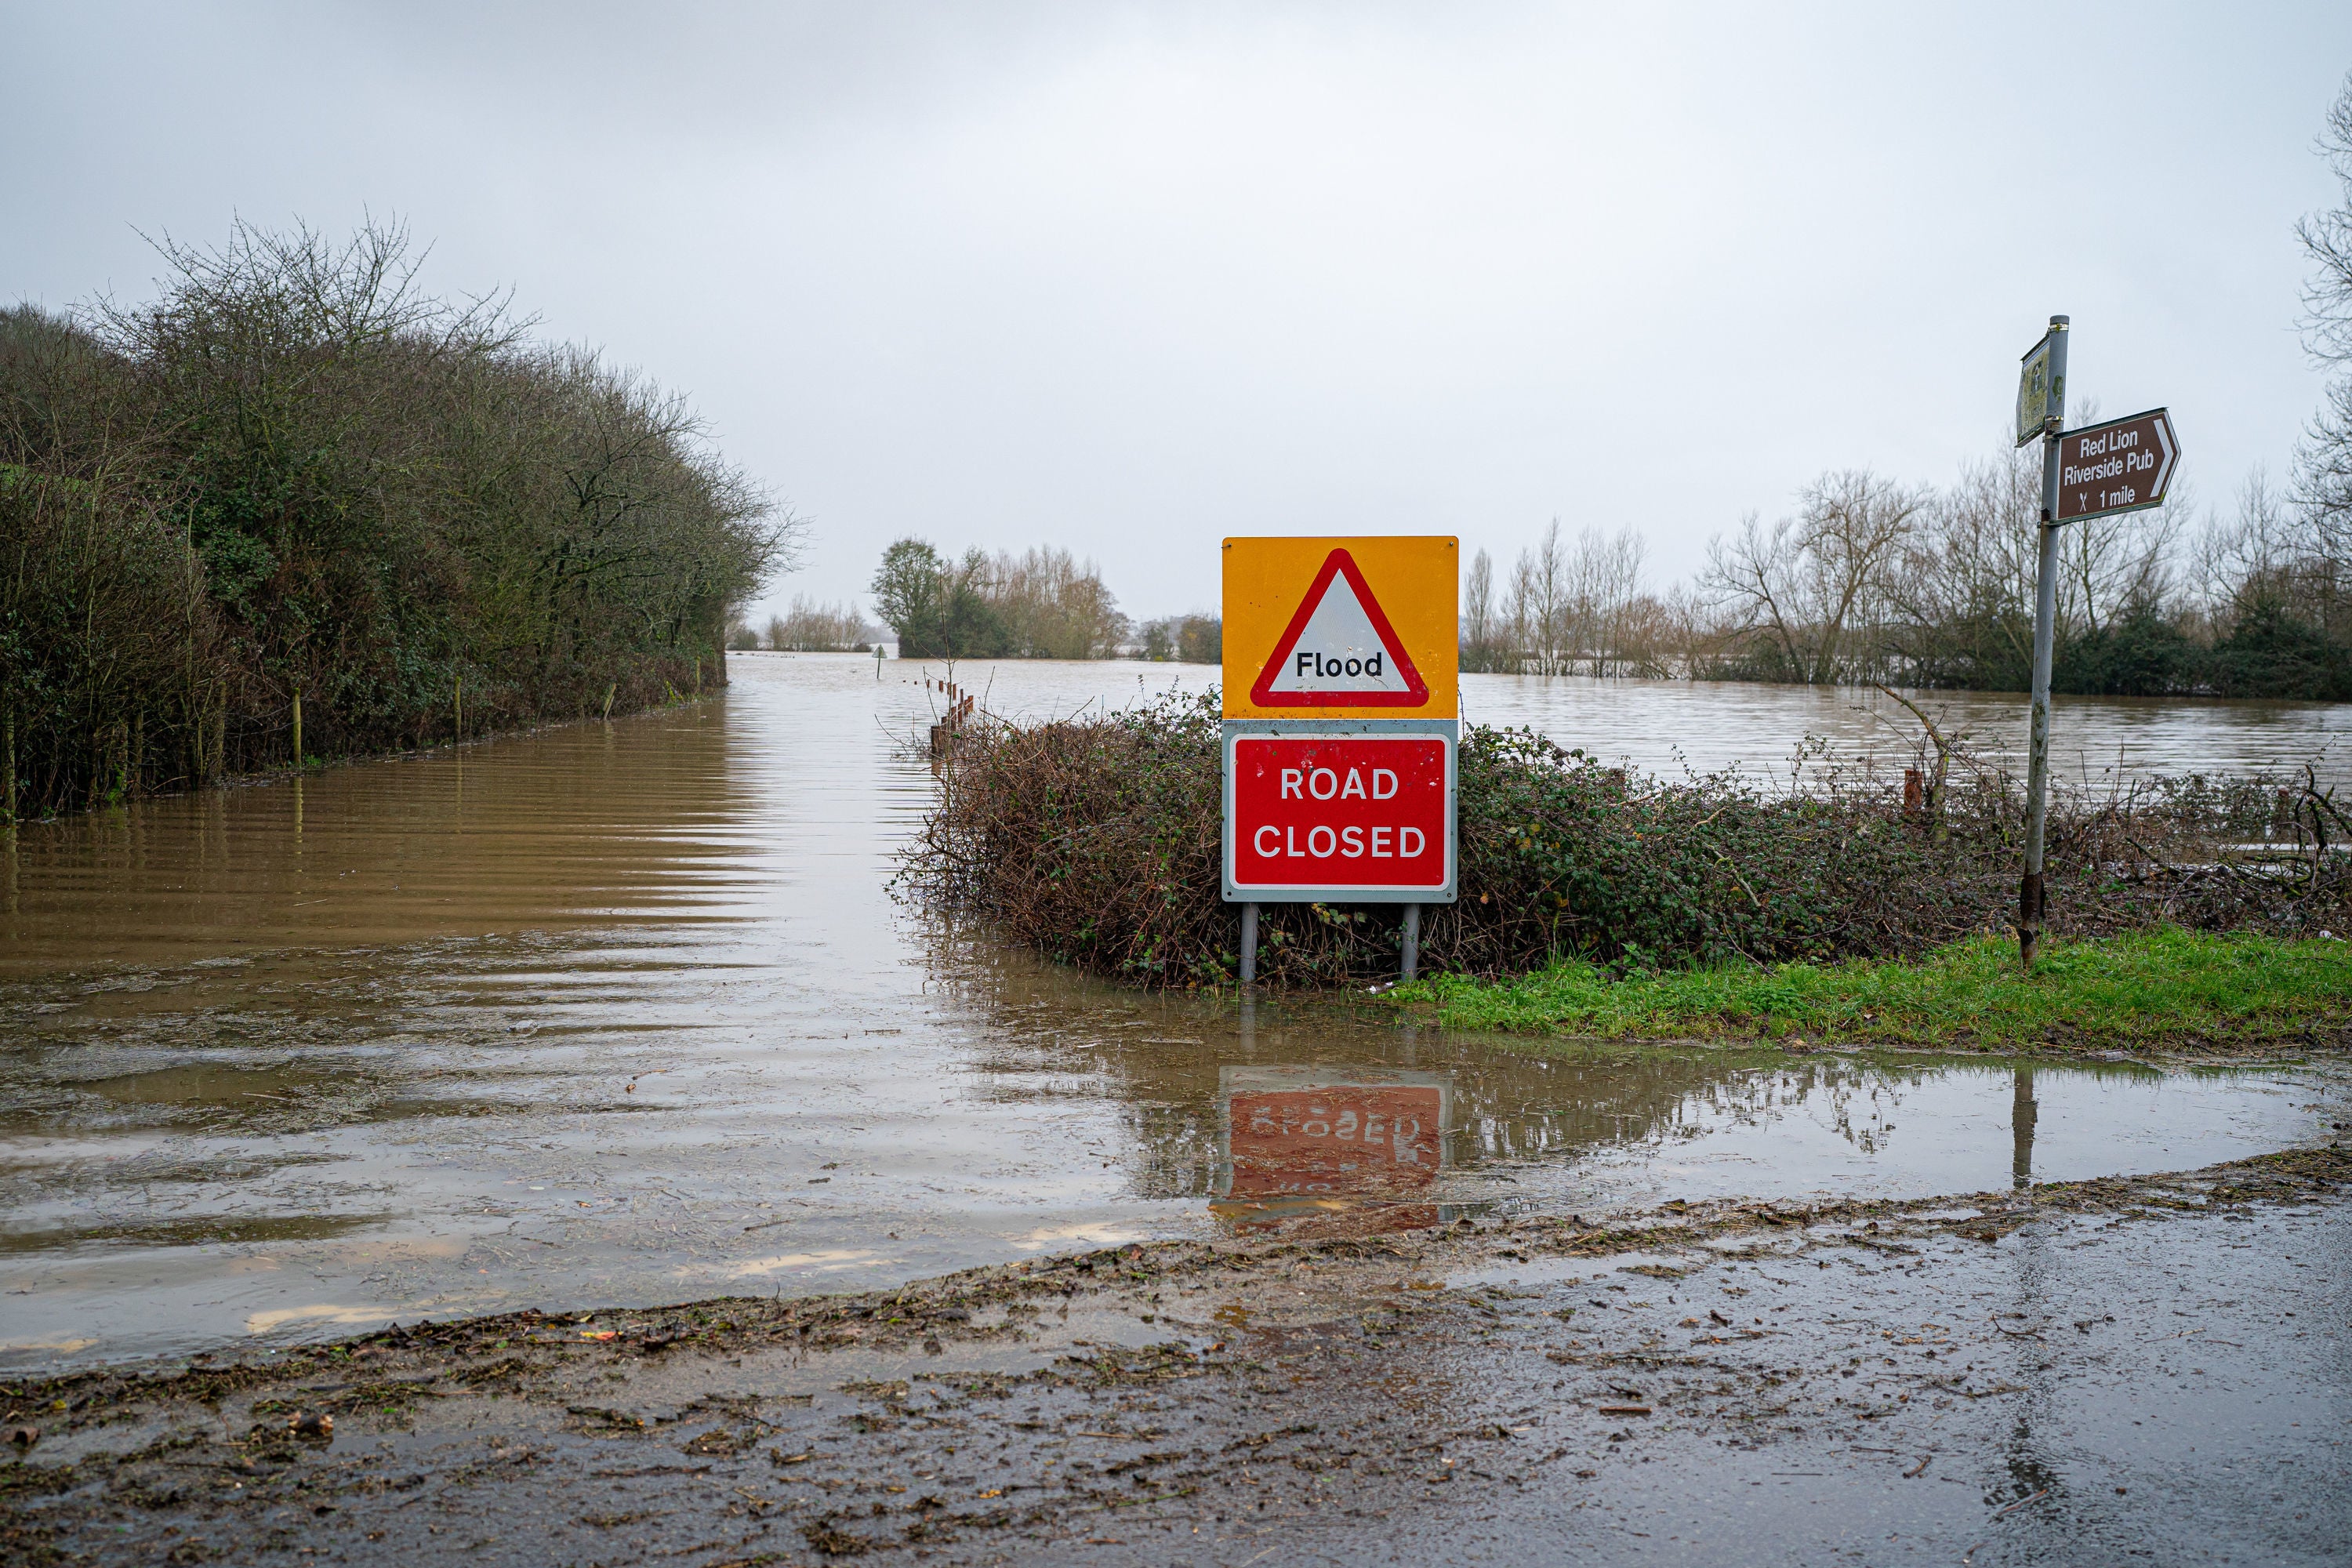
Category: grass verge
[2153,988]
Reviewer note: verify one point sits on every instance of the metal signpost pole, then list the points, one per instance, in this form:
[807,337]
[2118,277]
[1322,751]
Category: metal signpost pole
[1249,944]
[2045,611]
[1412,941]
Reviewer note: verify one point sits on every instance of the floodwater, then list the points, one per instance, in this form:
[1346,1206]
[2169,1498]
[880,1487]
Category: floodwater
[625,1014]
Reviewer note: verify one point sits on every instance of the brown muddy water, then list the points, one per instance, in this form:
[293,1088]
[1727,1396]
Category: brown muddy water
[625,1014]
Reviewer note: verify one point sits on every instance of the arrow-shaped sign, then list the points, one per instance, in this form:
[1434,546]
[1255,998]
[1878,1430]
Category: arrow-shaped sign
[2120,465]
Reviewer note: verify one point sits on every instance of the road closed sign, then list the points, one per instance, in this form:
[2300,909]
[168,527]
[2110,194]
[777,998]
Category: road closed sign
[1347,628]
[1325,812]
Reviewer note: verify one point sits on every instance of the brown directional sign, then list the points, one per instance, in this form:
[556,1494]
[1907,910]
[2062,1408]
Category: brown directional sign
[2120,465]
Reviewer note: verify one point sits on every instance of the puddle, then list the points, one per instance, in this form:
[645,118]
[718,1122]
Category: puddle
[625,1015]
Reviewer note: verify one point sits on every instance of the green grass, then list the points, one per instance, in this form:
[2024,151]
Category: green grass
[2151,988]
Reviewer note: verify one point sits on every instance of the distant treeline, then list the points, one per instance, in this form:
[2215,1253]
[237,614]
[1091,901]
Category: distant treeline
[1185,639]
[1042,604]
[1872,580]
[1869,578]
[296,506]
[810,627]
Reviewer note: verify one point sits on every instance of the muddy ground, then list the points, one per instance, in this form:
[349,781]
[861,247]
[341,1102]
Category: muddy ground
[2155,1370]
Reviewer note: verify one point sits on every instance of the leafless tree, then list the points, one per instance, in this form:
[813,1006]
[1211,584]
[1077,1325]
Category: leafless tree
[1481,632]
[810,626]
[1534,607]
[1604,577]
[1815,583]
[1053,605]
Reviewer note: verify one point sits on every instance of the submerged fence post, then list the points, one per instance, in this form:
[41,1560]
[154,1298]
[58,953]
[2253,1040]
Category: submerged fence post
[2030,899]
[1412,940]
[1249,944]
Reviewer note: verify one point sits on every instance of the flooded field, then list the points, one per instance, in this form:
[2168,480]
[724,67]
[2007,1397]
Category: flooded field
[625,1014]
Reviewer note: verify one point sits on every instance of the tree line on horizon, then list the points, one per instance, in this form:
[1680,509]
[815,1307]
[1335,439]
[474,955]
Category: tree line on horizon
[1869,578]
[295,506]
[1044,603]
[1041,604]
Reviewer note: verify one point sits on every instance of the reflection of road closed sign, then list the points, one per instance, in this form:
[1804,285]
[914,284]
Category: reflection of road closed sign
[1357,1140]
[1324,813]
[1314,1142]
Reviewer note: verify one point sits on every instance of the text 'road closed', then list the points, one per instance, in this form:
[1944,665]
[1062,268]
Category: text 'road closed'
[1336,812]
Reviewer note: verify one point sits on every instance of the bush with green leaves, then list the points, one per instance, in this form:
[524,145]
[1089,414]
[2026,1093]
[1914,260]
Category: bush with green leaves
[1095,842]
[293,477]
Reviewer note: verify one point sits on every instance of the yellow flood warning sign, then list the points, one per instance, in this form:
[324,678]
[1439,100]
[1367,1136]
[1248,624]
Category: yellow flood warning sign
[1342,628]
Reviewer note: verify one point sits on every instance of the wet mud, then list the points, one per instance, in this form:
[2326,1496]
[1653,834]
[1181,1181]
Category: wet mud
[2153,1369]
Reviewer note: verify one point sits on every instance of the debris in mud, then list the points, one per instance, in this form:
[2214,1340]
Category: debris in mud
[1090,1431]
[835,1542]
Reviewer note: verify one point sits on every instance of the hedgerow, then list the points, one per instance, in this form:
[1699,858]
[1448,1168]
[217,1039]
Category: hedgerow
[1095,842]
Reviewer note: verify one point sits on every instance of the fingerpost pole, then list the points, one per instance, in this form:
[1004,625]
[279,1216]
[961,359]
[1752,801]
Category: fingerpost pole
[2031,901]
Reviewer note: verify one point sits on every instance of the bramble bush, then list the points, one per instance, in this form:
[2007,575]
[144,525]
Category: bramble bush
[1095,842]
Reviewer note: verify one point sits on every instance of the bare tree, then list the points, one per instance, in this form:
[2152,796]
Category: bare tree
[1536,607]
[811,626]
[1813,585]
[1960,600]
[2324,463]
[1054,605]
[1605,578]
[1479,626]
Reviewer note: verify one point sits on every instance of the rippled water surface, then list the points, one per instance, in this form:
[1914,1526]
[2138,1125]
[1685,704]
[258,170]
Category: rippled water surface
[625,1013]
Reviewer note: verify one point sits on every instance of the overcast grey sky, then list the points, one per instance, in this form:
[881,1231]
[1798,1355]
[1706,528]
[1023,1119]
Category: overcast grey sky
[1129,278]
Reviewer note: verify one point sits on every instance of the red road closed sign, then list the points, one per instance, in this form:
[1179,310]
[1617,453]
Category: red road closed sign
[1316,814]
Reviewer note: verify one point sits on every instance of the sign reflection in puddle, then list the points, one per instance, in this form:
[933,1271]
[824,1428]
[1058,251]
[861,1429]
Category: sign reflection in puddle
[1349,1151]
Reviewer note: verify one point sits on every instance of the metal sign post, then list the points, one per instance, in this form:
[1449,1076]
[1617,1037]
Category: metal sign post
[2049,357]
[2120,465]
[1341,725]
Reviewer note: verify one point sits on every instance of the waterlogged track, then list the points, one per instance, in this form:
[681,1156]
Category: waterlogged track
[623,1016]
[2115,1371]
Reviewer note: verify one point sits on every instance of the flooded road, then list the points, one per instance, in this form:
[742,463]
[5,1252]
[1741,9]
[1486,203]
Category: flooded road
[625,1015]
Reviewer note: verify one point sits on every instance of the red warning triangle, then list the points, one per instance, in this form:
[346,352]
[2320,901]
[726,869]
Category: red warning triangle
[1339,650]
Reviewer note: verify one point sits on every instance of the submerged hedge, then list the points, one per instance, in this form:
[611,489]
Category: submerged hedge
[1095,842]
